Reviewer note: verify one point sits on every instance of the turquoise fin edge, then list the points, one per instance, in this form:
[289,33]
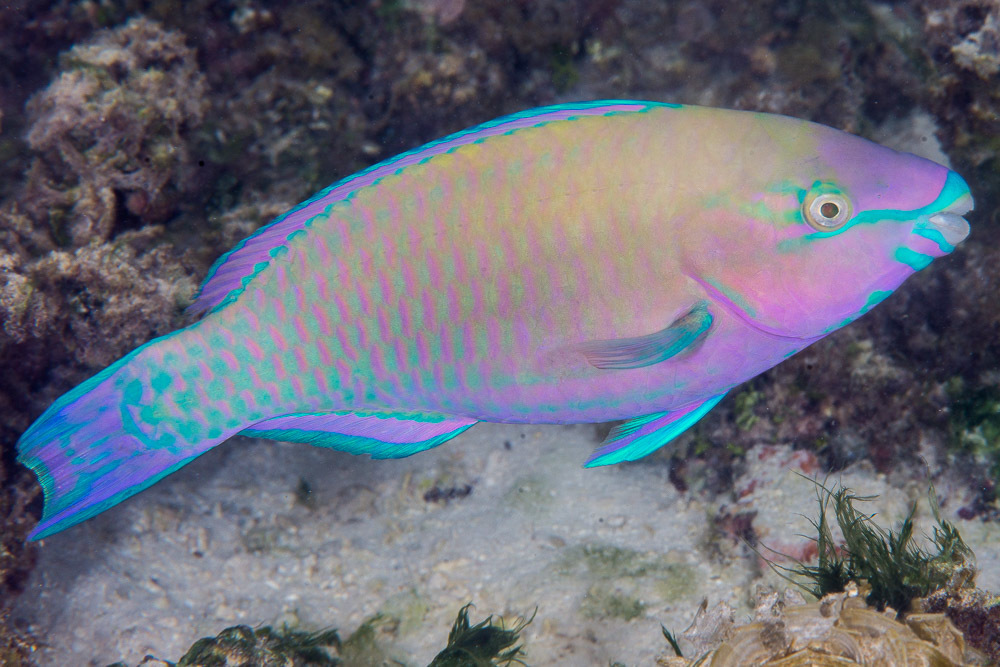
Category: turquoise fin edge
[628,353]
[354,443]
[641,436]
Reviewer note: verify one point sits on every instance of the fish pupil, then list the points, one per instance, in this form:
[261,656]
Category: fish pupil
[829,210]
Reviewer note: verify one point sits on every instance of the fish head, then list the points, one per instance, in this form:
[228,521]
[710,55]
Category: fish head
[827,226]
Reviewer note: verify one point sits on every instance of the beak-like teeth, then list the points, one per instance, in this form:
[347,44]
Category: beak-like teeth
[952,226]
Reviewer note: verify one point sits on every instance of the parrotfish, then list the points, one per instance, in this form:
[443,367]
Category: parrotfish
[587,262]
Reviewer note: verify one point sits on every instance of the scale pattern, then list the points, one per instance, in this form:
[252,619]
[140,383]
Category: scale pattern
[577,263]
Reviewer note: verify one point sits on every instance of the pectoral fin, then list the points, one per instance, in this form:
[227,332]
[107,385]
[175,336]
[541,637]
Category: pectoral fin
[626,353]
[643,435]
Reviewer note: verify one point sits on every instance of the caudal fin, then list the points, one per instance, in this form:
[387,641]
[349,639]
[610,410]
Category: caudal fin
[89,453]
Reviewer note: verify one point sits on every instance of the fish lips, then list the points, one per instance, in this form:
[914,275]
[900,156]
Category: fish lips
[947,227]
[953,227]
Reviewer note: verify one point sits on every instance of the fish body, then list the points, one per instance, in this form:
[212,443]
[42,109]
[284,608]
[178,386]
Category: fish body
[578,263]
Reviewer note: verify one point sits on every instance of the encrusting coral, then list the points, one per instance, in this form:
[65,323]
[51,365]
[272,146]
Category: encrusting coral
[963,38]
[837,630]
[108,133]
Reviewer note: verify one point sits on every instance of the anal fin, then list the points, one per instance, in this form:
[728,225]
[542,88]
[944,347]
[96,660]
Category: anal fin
[382,436]
[643,435]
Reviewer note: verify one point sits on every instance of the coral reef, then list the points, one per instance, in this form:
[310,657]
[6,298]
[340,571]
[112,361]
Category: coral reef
[108,133]
[881,599]
[82,280]
[15,647]
[167,131]
[837,630]
[963,39]
[975,612]
[841,63]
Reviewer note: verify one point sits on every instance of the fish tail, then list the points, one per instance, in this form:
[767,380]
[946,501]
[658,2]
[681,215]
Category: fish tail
[92,448]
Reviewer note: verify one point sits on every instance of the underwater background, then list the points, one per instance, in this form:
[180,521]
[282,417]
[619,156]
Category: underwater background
[141,140]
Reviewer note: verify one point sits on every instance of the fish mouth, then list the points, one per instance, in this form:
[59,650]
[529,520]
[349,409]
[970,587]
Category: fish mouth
[947,224]
[953,227]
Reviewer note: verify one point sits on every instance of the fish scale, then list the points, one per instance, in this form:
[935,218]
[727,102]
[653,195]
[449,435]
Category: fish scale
[577,263]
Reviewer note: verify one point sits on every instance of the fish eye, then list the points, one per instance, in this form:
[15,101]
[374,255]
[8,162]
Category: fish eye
[827,212]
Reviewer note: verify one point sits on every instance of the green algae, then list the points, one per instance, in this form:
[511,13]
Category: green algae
[484,644]
[605,601]
[488,643]
[671,641]
[564,72]
[605,561]
[893,568]
[242,644]
[744,404]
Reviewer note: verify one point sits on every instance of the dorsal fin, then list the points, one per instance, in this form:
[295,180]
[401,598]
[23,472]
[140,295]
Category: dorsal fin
[232,271]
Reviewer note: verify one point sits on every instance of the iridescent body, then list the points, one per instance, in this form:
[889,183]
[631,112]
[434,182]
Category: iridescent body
[579,263]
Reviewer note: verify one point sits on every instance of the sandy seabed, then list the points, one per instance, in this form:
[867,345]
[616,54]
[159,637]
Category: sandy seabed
[606,554]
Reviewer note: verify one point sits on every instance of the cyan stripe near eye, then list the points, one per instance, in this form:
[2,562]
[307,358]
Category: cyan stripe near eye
[954,188]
